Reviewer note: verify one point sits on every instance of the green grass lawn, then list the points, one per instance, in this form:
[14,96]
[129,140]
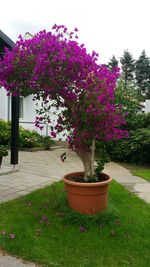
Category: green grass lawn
[40,227]
[137,170]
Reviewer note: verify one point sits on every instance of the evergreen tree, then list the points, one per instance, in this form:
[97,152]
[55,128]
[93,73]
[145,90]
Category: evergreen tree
[113,62]
[128,67]
[142,72]
[127,98]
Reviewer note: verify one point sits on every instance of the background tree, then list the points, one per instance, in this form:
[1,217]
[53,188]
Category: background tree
[113,62]
[128,98]
[128,67]
[142,72]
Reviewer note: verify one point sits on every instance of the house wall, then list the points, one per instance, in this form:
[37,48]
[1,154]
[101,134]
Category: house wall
[147,106]
[3,104]
[29,116]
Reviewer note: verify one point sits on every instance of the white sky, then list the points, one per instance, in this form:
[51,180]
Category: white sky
[106,26]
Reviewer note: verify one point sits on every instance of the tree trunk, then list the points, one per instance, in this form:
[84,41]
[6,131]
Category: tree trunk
[92,157]
[88,161]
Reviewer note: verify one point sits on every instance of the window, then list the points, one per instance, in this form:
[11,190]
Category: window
[21,107]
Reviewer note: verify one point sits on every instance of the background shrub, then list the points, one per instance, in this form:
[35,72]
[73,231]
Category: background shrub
[27,138]
[32,139]
[3,151]
[138,121]
[46,142]
[135,149]
[5,133]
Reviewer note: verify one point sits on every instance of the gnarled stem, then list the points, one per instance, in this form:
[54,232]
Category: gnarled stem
[87,160]
[92,157]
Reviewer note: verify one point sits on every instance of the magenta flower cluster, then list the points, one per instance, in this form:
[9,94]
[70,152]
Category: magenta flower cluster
[57,69]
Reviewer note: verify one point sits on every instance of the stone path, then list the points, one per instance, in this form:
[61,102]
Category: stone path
[9,261]
[133,183]
[36,170]
[39,169]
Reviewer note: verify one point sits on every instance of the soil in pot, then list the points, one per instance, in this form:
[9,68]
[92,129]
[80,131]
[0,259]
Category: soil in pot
[79,178]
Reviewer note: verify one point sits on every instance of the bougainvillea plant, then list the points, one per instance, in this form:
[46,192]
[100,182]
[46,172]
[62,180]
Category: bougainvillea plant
[56,69]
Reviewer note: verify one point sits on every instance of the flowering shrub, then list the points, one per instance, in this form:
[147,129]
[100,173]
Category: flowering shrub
[32,139]
[54,66]
[28,139]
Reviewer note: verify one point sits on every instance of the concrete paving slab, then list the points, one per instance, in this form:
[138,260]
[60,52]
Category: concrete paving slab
[8,169]
[9,197]
[8,192]
[133,183]
[143,188]
[3,188]
[121,174]
[145,196]
[9,261]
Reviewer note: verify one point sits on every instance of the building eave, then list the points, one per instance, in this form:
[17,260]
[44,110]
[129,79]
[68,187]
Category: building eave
[3,37]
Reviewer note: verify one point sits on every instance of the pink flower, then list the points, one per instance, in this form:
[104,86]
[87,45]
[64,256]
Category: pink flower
[53,134]
[12,236]
[83,229]
[3,232]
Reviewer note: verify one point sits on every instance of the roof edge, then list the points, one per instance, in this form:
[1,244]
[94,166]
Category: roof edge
[6,39]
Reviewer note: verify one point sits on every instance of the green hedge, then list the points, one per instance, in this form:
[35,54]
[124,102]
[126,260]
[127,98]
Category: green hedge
[5,133]
[27,138]
[138,121]
[135,149]
[31,139]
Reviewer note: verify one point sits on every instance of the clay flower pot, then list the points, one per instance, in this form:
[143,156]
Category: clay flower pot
[86,198]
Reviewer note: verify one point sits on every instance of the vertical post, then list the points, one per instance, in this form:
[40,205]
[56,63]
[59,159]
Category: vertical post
[14,129]
[8,110]
[46,129]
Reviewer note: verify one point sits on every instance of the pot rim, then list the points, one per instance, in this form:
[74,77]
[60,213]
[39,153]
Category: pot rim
[85,184]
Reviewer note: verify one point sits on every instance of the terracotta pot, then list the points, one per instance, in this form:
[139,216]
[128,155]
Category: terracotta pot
[86,198]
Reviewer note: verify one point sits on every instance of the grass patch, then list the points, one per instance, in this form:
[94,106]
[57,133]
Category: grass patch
[40,227]
[137,170]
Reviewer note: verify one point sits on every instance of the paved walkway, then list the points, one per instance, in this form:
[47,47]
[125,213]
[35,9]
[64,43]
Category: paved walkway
[133,183]
[39,169]
[36,170]
[9,261]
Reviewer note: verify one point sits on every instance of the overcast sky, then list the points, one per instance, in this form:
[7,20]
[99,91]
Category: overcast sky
[106,26]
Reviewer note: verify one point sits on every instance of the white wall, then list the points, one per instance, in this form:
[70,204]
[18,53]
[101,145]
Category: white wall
[28,120]
[147,106]
[29,114]
[3,104]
